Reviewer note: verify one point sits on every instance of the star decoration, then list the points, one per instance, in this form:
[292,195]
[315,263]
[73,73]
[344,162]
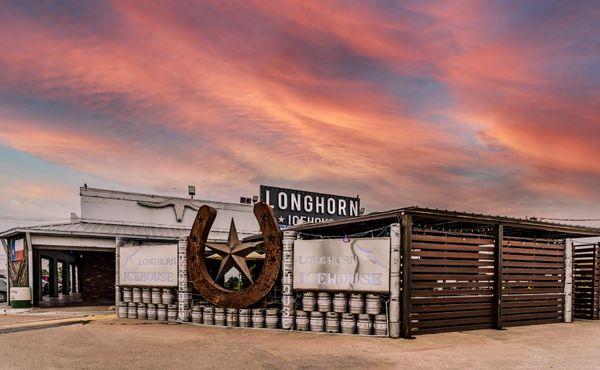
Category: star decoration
[234,253]
[281,219]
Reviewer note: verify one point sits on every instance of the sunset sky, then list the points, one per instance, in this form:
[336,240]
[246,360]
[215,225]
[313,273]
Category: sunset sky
[482,106]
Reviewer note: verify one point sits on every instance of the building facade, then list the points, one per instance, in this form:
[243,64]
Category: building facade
[74,262]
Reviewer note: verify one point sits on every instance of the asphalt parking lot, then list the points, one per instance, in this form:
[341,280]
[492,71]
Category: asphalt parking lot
[112,343]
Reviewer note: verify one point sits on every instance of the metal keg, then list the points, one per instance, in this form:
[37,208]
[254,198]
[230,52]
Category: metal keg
[132,310]
[146,295]
[137,295]
[151,311]
[245,320]
[324,302]
[167,296]
[220,316]
[287,322]
[127,297]
[142,311]
[332,322]
[232,317]
[356,303]
[258,318]
[380,326]
[308,301]
[172,313]
[272,318]
[364,324]
[316,321]
[161,312]
[340,302]
[208,315]
[348,323]
[184,315]
[122,312]
[373,304]
[197,315]
[302,322]
[156,295]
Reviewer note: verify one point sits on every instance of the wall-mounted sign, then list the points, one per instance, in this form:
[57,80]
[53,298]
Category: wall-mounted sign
[298,206]
[148,265]
[350,265]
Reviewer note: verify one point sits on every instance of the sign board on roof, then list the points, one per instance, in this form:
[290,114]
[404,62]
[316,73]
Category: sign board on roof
[297,206]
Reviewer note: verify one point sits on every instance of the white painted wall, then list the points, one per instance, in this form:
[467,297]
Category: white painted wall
[110,206]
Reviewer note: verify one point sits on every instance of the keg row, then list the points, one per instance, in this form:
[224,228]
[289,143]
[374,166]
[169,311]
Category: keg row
[164,296]
[357,304]
[147,311]
[245,318]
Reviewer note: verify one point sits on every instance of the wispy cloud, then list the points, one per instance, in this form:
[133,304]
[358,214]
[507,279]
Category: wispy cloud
[483,106]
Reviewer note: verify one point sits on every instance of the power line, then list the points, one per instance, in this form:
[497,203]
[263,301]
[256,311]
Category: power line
[570,219]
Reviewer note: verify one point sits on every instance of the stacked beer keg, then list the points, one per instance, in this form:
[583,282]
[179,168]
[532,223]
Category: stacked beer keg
[144,303]
[208,314]
[342,313]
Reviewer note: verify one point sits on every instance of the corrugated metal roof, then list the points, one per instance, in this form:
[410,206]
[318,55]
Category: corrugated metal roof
[115,230]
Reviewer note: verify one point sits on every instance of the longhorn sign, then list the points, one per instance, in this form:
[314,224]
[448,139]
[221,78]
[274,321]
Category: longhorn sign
[196,251]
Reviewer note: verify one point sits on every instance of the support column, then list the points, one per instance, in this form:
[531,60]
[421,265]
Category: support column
[53,277]
[183,295]
[8,269]
[29,263]
[498,265]
[568,309]
[395,255]
[119,242]
[406,241]
[288,310]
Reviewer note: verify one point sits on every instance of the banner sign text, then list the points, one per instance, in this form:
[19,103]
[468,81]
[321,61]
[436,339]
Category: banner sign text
[350,265]
[297,206]
[148,265]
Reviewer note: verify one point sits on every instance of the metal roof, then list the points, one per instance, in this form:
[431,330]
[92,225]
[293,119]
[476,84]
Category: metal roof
[454,220]
[95,229]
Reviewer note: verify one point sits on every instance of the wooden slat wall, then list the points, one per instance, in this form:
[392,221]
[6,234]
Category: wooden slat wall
[452,282]
[533,282]
[586,281]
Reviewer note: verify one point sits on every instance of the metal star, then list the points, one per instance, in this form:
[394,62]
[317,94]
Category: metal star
[234,253]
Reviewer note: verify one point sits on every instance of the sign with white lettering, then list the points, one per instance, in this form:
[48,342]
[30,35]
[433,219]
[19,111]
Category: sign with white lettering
[148,265]
[342,265]
[297,206]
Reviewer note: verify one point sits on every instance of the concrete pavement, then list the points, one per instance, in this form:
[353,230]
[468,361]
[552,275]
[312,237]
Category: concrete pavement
[137,344]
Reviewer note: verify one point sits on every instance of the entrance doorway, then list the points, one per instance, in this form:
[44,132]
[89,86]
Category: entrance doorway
[73,277]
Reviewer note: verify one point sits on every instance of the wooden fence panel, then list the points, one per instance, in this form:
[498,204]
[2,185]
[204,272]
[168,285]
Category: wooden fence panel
[532,282]
[452,282]
[586,281]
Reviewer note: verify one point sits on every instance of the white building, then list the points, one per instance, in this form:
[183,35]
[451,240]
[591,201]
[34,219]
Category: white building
[75,261]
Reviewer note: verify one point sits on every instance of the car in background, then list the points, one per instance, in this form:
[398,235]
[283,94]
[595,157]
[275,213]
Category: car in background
[3,289]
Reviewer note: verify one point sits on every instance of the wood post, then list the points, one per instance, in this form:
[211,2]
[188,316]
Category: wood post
[395,255]
[568,309]
[498,246]
[406,236]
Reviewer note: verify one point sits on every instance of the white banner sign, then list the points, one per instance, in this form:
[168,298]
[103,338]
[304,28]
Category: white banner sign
[148,265]
[351,265]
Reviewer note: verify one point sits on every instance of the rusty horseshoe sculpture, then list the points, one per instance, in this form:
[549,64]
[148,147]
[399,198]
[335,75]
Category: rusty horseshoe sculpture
[203,281]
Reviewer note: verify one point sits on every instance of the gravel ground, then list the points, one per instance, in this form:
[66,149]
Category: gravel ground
[135,344]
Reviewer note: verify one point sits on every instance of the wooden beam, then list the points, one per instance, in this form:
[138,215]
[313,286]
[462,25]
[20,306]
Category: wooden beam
[498,242]
[406,236]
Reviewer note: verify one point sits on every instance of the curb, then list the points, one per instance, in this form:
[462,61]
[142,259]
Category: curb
[52,323]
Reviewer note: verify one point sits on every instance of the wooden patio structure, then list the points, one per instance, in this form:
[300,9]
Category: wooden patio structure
[463,271]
